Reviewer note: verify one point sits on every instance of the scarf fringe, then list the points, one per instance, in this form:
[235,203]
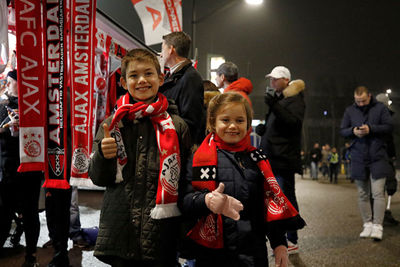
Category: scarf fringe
[56,183]
[86,182]
[118,176]
[162,211]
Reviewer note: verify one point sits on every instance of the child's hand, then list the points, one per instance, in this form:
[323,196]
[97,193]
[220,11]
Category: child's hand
[232,207]
[108,144]
[220,203]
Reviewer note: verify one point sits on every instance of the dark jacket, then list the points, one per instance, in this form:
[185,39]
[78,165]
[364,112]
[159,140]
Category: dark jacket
[185,87]
[126,229]
[244,240]
[368,151]
[282,138]
[317,153]
[9,145]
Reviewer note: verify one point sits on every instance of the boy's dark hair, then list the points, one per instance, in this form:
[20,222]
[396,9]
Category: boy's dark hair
[229,70]
[217,102]
[141,55]
[180,41]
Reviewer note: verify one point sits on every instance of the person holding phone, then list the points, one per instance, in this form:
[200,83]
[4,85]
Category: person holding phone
[367,122]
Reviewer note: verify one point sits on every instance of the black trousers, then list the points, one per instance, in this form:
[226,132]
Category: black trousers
[58,202]
[22,195]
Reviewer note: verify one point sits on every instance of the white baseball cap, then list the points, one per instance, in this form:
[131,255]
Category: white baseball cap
[279,72]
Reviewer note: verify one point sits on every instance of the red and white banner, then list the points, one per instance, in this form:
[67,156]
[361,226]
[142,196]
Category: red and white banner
[31,85]
[3,36]
[159,17]
[82,55]
[55,21]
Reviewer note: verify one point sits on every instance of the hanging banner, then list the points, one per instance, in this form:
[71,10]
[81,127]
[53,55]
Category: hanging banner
[31,85]
[55,23]
[3,36]
[82,54]
[159,17]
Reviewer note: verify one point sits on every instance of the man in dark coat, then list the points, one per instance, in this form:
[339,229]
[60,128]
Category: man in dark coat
[315,156]
[281,138]
[367,122]
[183,83]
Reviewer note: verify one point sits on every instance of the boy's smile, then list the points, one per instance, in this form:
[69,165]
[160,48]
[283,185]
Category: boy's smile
[231,123]
[142,81]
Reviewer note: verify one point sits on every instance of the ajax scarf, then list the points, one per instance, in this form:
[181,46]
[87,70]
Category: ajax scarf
[208,230]
[168,148]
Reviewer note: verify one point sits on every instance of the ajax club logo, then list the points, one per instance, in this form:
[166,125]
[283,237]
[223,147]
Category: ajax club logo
[32,146]
[80,161]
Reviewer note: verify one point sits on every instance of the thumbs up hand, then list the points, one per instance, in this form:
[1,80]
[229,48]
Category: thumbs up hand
[220,203]
[108,144]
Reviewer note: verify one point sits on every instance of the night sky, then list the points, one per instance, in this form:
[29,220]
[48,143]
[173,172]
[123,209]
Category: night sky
[333,46]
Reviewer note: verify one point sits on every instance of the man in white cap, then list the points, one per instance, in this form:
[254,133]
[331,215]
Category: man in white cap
[281,136]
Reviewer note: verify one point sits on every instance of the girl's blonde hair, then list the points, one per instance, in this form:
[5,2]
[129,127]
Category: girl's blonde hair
[219,101]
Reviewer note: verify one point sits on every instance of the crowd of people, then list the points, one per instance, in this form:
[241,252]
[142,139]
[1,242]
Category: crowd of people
[182,178]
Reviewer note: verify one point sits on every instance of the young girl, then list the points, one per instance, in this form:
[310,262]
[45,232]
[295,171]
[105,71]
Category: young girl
[230,191]
[139,164]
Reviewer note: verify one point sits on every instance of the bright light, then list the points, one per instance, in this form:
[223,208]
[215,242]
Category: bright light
[390,102]
[389,91]
[325,112]
[216,61]
[254,2]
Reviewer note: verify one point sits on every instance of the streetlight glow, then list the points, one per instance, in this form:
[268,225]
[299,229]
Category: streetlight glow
[390,102]
[389,91]
[254,2]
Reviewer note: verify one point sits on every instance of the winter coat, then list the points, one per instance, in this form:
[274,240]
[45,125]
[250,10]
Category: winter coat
[9,145]
[185,87]
[368,151]
[282,137]
[242,86]
[244,240]
[317,153]
[126,229]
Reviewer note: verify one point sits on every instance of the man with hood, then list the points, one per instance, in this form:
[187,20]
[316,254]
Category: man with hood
[367,122]
[281,136]
[227,79]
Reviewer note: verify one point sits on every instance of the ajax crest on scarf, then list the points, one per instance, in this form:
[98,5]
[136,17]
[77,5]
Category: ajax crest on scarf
[168,148]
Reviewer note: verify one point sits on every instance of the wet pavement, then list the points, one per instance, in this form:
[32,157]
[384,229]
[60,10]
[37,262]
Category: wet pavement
[329,239]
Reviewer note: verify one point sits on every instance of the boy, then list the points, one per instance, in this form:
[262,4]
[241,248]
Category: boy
[137,156]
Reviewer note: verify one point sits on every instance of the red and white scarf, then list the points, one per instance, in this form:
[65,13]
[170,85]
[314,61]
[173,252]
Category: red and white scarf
[168,148]
[208,230]
[81,75]
[31,86]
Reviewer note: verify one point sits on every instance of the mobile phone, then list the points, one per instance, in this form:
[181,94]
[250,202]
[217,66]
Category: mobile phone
[270,91]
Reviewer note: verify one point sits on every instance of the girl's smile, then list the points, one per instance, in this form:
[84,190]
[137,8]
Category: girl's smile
[231,123]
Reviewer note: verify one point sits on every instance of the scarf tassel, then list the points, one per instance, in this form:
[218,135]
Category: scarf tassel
[162,211]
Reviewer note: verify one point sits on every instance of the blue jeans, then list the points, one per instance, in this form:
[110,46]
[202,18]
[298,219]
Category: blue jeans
[75,222]
[286,182]
[314,170]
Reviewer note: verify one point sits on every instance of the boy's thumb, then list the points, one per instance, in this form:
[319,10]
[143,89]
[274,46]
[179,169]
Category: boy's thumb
[106,130]
[220,188]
